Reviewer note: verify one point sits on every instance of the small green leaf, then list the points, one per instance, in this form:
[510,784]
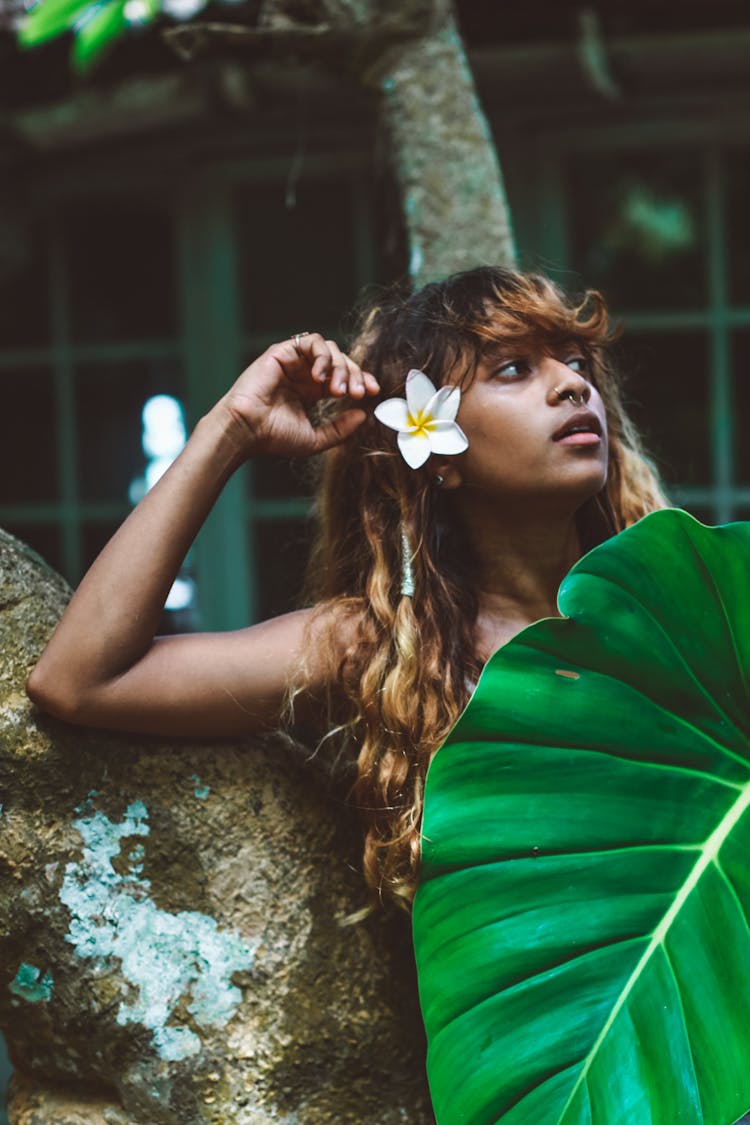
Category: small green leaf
[97,34]
[582,926]
[50,18]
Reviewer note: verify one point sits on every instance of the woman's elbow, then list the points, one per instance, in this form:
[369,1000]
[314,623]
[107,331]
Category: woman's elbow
[50,694]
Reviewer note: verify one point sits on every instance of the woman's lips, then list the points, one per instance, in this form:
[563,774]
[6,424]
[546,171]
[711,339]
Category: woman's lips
[583,438]
[580,421]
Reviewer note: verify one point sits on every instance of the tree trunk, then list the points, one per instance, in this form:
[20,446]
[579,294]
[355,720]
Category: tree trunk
[411,53]
[454,201]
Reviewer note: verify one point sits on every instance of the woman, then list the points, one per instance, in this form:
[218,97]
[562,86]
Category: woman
[441,536]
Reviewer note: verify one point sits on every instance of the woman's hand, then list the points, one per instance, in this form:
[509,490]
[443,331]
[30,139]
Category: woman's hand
[266,410]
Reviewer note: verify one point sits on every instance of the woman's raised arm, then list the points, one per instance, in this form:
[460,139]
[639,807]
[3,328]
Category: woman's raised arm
[103,666]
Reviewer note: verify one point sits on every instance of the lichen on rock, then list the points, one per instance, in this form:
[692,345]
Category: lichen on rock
[163,956]
[31,984]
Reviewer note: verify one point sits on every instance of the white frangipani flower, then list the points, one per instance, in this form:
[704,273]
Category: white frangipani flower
[425,420]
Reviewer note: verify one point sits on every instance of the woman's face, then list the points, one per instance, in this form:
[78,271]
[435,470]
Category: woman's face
[517,413]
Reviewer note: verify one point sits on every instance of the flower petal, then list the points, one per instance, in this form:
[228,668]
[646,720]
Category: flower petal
[444,405]
[415,449]
[394,413]
[447,437]
[419,391]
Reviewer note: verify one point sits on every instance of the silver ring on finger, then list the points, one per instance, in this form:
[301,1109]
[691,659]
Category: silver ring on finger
[297,337]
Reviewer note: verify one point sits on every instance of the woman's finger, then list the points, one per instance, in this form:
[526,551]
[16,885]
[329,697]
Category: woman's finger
[308,354]
[290,357]
[303,355]
[372,386]
[314,349]
[338,429]
[357,388]
[311,354]
[341,371]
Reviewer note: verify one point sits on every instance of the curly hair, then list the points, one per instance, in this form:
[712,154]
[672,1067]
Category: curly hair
[407,670]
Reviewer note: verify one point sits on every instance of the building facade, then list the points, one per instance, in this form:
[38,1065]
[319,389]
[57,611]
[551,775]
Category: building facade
[160,226]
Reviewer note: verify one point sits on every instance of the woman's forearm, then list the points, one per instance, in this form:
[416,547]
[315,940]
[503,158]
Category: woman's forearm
[101,665]
[112,617]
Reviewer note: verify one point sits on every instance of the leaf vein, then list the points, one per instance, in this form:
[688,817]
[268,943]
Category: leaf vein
[536,1086]
[707,856]
[539,857]
[678,997]
[579,955]
[701,735]
[734,893]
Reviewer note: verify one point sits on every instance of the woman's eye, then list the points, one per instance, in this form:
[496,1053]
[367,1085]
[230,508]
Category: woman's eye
[513,369]
[583,364]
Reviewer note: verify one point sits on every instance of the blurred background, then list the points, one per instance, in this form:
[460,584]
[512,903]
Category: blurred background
[162,221]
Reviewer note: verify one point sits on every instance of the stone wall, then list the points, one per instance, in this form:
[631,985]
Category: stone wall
[170,939]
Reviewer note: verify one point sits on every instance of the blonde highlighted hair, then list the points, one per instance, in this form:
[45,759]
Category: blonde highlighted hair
[406,671]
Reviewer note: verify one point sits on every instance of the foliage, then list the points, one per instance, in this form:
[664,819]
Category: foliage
[582,930]
[95,24]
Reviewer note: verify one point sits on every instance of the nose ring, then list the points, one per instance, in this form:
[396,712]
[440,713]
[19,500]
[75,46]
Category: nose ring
[575,396]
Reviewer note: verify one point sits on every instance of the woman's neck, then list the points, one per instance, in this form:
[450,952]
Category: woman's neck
[521,562]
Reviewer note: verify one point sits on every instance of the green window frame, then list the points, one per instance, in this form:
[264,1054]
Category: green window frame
[538,175]
[210,345]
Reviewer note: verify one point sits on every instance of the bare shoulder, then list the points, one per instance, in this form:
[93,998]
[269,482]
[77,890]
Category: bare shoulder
[327,633]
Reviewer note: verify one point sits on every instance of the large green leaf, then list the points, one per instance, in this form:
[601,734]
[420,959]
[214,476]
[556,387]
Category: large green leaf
[581,929]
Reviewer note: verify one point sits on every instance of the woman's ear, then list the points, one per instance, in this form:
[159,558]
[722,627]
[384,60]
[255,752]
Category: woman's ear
[445,475]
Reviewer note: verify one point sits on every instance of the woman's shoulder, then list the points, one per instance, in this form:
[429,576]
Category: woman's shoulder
[304,652]
[316,638]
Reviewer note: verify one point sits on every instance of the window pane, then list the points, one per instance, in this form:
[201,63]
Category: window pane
[741,391]
[181,619]
[24,285]
[276,478]
[109,401]
[282,548]
[121,265]
[636,226]
[738,225]
[296,263]
[41,537]
[702,512]
[667,392]
[28,450]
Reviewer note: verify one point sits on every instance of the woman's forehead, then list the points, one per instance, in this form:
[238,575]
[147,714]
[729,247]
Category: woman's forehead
[531,338]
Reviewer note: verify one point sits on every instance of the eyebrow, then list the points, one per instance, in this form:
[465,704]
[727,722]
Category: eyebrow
[496,351]
[499,350]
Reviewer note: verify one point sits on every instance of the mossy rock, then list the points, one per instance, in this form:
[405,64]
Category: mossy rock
[170,946]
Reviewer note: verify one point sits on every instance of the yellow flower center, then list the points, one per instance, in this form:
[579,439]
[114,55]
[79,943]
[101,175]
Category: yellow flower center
[420,423]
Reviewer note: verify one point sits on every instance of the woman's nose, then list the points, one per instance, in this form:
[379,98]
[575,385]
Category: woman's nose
[565,383]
